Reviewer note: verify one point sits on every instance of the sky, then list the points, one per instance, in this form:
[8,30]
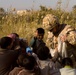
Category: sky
[34,4]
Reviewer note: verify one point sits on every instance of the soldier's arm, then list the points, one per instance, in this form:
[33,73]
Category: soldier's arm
[49,39]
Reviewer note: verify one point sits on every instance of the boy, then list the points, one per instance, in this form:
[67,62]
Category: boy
[37,40]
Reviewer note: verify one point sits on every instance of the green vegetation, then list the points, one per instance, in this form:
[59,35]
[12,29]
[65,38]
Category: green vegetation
[25,25]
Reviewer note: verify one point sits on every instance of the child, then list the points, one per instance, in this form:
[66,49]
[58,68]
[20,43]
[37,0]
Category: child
[27,66]
[46,65]
[67,67]
[24,46]
[16,70]
[30,66]
[37,40]
[7,56]
[15,38]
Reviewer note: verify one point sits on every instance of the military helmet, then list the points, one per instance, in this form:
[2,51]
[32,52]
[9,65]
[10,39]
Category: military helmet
[50,21]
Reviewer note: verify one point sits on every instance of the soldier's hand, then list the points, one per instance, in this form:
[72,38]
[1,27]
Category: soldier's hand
[63,38]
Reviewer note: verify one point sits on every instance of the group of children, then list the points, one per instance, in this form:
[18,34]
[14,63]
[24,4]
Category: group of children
[17,57]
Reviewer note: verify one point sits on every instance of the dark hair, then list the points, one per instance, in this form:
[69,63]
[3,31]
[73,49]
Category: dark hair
[29,62]
[20,59]
[5,42]
[43,52]
[40,31]
[67,61]
[15,34]
[23,43]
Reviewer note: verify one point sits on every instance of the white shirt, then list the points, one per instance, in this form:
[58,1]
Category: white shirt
[67,71]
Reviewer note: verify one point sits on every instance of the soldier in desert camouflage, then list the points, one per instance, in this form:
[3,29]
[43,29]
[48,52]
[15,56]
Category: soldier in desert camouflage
[61,38]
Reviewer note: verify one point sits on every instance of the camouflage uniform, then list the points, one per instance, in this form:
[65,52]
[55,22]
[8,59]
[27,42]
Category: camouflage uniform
[54,42]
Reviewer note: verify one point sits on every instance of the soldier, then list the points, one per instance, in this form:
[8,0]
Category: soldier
[61,38]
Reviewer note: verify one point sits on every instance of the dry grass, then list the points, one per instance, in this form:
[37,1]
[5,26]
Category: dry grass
[25,25]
